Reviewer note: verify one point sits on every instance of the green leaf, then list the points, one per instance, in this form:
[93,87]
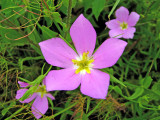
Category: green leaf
[97,7]
[118,90]
[4,111]
[57,17]
[155,5]
[47,33]
[37,49]
[156,88]
[50,101]
[156,118]
[114,7]
[9,36]
[34,36]
[138,92]
[88,103]
[147,82]
[112,78]
[87,4]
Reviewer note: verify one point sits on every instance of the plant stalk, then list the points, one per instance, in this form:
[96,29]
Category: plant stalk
[68,18]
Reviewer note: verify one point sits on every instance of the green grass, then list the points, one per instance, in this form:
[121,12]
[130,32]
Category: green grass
[134,92]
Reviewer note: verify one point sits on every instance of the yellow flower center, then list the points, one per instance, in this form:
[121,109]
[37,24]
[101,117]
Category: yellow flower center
[123,25]
[42,90]
[83,64]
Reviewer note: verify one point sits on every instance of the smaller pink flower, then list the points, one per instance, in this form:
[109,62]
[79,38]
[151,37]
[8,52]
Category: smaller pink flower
[40,105]
[123,25]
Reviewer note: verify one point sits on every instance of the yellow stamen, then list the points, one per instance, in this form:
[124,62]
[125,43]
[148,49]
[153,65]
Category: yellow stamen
[123,25]
[84,63]
[42,90]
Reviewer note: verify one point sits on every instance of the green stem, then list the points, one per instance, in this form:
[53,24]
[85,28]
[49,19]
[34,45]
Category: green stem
[90,113]
[68,18]
[132,107]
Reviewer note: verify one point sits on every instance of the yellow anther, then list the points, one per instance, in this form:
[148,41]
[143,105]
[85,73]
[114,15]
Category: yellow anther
[85,55]
[77,71]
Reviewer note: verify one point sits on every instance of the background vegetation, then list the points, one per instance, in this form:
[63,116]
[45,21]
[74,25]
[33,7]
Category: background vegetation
[134,91]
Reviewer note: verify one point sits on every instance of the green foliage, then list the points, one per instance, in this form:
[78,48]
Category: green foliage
[98,6]
[134,92]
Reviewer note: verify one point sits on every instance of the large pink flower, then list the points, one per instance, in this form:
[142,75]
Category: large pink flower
[123,25]
[81,67]
[40,105]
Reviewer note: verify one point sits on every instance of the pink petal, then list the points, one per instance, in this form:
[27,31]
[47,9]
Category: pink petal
[129,33]
[30,98]
[83,35]
[64,79]
[23,84]
[44,81]
[39,106]
[108,53]
[21,92]
[122,14]
[116,33]
[112,24]
[95,84]
[50,96]
[133,19]
[57,52]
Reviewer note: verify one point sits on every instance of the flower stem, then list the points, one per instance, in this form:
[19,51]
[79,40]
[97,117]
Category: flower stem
[68,18]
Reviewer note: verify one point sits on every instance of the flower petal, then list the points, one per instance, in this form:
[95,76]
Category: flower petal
[21,92]
[57,52]
[30,98]
[44,81]
[133,19]
[112,24]
[116,33]
[83,35]
[129,33]
[108,53]
[122,14]
[50,96]
[39,106]
[64,79]
[23,84]
[95,84]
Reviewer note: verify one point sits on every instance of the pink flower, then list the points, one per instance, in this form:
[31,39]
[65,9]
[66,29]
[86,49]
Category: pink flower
[123,25]
[81,67]
[40,105]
